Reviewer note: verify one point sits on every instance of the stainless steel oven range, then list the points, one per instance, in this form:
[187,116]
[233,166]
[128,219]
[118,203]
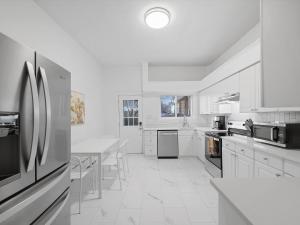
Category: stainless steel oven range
[213,152]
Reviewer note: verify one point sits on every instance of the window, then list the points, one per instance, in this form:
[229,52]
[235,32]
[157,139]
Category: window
[175,106]
[130,113]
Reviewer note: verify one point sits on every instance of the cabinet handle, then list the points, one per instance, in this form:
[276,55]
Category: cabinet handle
[278,175]
[242,150]
[265,158]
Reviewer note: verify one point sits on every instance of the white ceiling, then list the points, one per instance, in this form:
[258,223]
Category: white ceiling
[115,33]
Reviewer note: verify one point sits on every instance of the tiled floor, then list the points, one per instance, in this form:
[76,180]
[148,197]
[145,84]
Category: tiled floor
[157,192]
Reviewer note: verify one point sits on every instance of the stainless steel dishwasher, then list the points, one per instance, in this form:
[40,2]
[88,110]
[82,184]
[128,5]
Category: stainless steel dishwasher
[167,144]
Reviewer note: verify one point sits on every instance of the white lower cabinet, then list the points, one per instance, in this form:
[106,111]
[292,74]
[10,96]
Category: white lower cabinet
[239,161]
[262,170]
[150,143]
[229,163]
[236,165]
[291,169]
[199,145]
[186,146]
[244,166]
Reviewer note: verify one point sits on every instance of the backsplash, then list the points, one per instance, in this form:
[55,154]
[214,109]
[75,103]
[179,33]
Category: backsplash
[286,117]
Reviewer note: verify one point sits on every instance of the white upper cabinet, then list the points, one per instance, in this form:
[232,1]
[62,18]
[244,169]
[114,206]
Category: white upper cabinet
[204,104]
[209,97]
[280,53]
[250,89]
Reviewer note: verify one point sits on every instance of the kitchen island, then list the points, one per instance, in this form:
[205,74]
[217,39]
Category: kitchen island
[258,201]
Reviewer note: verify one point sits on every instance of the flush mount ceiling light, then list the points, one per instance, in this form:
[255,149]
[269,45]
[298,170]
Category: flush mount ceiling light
[157,17]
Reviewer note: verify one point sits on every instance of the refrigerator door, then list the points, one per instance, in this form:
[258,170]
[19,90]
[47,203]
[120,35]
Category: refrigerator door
[54,87]
[48,195]
[18,94]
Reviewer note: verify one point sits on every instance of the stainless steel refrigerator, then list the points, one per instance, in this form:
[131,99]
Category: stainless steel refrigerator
[34,137]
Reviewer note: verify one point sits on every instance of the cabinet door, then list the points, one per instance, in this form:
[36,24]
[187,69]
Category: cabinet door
[202,147]
[199,148]
[229,163]
[262,170]
[280,52]
[186,145]
[244,167]
[292,168]
[249,88]
[212,105]
[204,107]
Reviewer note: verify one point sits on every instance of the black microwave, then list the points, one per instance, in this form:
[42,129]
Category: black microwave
[286,135]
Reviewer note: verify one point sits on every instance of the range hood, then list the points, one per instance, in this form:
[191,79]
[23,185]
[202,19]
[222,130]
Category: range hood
[234,97]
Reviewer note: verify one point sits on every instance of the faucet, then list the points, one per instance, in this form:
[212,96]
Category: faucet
[185,122]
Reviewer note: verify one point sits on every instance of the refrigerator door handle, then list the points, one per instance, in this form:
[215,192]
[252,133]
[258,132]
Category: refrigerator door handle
[42,73]
[36,116]
[54,210]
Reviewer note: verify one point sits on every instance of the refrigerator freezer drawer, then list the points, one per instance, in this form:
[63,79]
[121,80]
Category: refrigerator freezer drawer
[29,205]
[58,213]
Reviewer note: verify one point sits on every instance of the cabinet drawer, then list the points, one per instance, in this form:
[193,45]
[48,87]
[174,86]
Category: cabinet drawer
[228,145]
[292,168]
[244,151]
[149,132]
[263,170]
[269,160]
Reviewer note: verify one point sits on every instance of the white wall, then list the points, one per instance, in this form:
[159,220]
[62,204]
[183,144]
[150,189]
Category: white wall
[25,22]
[118,80]
[176,73]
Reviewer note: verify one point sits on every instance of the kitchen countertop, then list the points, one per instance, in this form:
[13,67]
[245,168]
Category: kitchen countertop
[206,129]
[263,201]
[289,154]
[203,129]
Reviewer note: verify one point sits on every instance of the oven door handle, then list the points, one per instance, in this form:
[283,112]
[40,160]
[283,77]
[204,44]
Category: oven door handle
[36,116]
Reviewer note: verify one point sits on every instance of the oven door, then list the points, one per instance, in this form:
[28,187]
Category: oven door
[213,150]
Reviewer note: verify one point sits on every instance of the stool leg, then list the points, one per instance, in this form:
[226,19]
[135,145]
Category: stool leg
[124,167]
[119,175]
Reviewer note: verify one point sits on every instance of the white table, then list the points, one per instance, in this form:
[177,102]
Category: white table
[96,147]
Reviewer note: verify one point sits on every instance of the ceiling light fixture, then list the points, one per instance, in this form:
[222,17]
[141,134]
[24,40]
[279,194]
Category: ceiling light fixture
[157,17]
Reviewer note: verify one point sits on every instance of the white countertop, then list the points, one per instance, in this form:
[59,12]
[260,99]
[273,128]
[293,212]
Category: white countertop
[289,154]
[263,201]
[206,129]
[166,128]
[202,129]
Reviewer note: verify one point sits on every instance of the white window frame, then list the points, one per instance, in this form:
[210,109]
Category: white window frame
[176,117]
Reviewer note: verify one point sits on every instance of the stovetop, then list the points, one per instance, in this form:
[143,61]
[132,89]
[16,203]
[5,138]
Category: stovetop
[216,134]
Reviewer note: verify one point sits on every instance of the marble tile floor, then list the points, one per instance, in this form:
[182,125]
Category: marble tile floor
[157,192]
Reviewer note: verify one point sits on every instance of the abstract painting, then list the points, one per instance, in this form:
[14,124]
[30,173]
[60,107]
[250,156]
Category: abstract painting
[77,108]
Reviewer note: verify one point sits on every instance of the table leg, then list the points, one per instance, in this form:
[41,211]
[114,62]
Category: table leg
[99,176]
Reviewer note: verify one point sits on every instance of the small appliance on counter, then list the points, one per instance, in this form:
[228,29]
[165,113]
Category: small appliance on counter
[219,123]
[285,135]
